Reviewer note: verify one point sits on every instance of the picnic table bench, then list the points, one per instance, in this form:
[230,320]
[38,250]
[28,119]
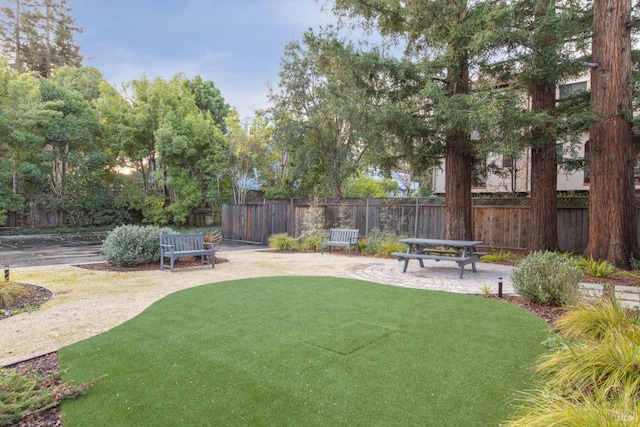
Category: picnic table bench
[345,237]
[461,252]
[174,246]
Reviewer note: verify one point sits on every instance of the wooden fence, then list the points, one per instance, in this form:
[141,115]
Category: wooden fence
[499,223]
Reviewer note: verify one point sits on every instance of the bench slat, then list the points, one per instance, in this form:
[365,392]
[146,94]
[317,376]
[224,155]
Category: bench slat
[174,246]
[341,237]
[461,261]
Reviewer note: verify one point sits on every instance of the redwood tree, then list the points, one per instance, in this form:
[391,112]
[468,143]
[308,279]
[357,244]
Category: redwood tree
[448,41]
[612,202]
[543,229]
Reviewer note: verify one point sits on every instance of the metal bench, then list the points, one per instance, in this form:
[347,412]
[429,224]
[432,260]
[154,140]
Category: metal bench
[174,246]
[344,237]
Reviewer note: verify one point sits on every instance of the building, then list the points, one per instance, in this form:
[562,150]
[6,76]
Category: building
[515,173]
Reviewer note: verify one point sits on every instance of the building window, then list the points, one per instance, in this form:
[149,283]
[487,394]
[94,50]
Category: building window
[507,162]
[572,89]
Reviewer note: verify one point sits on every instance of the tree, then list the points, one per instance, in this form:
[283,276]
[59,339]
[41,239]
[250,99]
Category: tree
[544,40]
[84,80]
[319,113]
[445,36]
[71,149]
[20,178]
[249,157]
[39,35]
[612,203]
[176,151]
[209,99]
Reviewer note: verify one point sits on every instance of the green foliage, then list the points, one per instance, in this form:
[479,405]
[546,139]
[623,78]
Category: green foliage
[547,278]
[311,242]
[383,243]
[387,246]
[319,114]
[597,268]
[178,149]
[23,309]
[9,291]
[594,321]
[209,100]
[282,242]
[54,230]
[131,245]
[593,378]
[634,263]
[496,256]
[314,220]
[24,394]
[364,186]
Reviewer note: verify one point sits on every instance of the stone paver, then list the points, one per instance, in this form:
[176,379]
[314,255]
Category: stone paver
[436,276]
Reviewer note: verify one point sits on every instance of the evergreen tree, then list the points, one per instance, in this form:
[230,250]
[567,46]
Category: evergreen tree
[612,202]
[544,40]
[446,38]
[39,35]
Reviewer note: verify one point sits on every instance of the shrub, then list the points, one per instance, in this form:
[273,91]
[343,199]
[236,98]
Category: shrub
[9,291]
[595,321]
[281,242]
[547,278]
[390,245]
[597,268]
[593,378]
[311,242]
[23,394]
[496,256]
[131,245]
[378,240]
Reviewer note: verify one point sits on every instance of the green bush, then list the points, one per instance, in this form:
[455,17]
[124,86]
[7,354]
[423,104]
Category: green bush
[282,242]
[496,256]
[310,242]
[378,240]
[24,394]
[547,278]
[131,245]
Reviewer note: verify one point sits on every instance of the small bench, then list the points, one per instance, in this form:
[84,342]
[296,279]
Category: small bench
[344,237]
[183,245]
[460,260]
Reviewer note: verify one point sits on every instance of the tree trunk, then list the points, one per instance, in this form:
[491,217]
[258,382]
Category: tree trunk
[459,159]
[458,167]
[612,203]
[543,214]
[543,227]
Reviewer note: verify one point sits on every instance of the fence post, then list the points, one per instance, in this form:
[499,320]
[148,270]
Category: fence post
[366,220]
[415,228]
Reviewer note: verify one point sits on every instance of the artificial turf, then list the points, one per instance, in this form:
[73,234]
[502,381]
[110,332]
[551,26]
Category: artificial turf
[312,351]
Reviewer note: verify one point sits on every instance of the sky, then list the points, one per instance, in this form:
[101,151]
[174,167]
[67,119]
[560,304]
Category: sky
[237,44]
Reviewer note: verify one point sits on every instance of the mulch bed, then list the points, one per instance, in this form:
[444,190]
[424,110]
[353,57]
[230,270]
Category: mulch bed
[49,364]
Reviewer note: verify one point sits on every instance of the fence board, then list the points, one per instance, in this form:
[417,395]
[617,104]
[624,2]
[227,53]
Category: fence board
[504,226]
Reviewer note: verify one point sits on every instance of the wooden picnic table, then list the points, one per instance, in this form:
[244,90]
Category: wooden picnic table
[462,252]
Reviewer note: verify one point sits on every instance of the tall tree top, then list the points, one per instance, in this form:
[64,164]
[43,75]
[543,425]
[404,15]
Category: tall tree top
[38,35]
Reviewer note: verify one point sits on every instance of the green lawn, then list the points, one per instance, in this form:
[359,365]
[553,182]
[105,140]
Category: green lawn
[307,351]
